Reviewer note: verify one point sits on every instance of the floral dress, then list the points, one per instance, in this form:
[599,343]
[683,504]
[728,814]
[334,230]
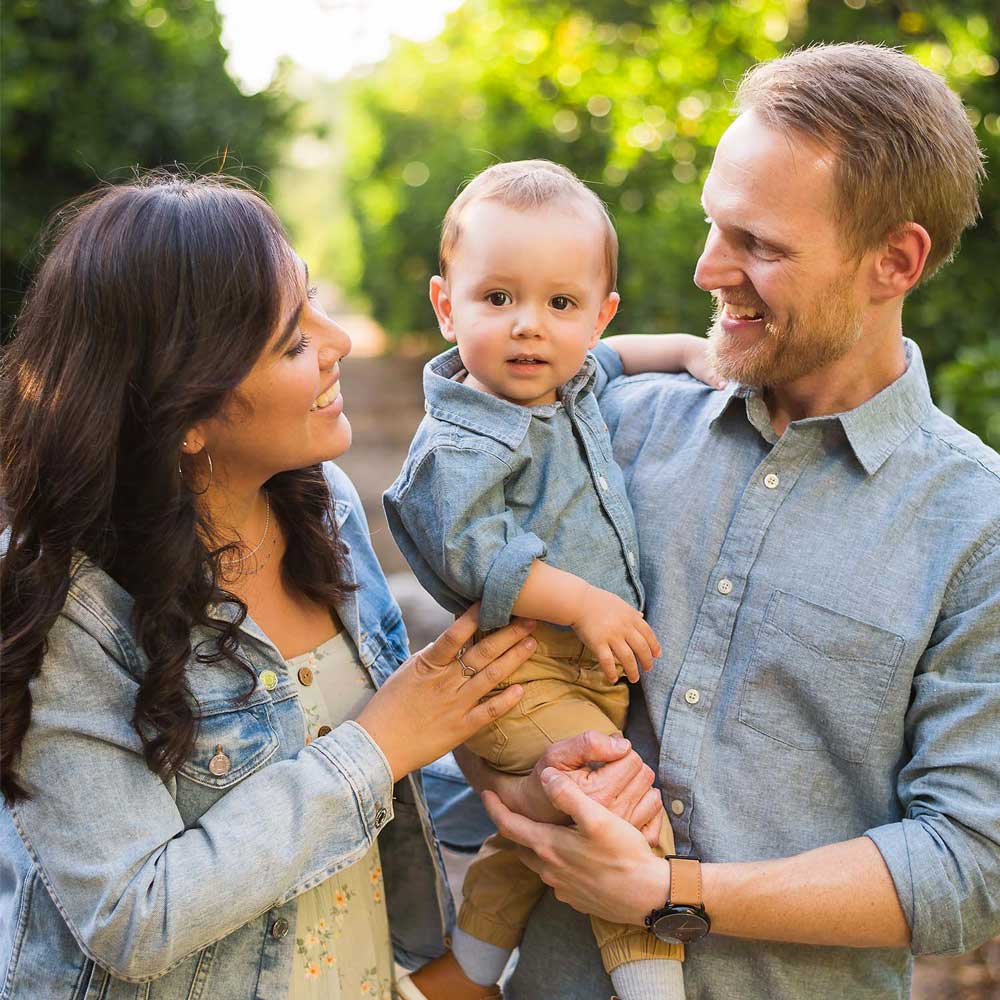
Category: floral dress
[342,946]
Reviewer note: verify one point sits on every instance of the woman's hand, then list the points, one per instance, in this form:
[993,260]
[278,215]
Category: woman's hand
[429,706]
[602,865]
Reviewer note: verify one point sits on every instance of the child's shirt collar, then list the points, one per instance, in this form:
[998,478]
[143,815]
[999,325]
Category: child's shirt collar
[459,404]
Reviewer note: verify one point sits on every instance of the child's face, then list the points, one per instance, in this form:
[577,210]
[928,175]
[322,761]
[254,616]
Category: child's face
[526,297]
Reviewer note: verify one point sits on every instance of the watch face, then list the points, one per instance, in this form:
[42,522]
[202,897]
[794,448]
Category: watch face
[683,925]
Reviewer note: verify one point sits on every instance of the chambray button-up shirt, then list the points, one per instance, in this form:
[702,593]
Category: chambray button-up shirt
[829,608]
[490,486]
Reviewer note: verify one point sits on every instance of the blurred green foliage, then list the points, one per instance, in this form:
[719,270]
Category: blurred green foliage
[634,96]
[92,88]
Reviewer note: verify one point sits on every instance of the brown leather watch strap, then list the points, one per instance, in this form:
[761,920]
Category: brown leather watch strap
[685,882]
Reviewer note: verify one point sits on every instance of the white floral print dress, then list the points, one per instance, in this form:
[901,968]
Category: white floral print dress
[342,946]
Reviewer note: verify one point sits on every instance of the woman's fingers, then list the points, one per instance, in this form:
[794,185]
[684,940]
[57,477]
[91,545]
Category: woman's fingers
[446,647]
[491,709]
[497,643]
[499,669]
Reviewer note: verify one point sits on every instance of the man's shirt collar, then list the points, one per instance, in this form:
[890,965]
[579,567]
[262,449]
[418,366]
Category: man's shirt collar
[463,406]
[874,429]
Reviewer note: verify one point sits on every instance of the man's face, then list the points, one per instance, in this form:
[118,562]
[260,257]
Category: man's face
[787,294]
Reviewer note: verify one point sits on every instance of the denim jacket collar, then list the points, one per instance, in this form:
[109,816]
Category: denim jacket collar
[874,429]
[459,404]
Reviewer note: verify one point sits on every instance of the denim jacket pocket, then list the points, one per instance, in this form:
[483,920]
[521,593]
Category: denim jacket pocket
[230,745]
[817,679]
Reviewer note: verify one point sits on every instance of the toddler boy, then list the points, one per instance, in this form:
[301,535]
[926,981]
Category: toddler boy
[509,495]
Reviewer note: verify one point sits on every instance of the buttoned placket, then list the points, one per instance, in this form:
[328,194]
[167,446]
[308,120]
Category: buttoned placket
[611,503]
[701,671]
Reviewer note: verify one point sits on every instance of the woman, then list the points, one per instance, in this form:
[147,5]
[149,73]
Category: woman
[195,763]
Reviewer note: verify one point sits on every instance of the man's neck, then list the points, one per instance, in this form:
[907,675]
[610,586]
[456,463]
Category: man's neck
[876,361]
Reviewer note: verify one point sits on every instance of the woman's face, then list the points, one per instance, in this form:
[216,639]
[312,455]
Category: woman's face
[288,413]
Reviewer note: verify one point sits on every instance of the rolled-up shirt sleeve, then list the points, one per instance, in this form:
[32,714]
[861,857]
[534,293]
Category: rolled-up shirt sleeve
[451,521]
[944,855]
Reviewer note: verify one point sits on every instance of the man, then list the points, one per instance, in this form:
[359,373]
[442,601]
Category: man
[821,556]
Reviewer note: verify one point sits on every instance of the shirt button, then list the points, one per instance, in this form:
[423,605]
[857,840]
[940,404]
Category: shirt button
[771,481]
[692,697]
[724,586]
[630,555]
[602,482]
[305,676]
[279,928]
[323,730]
[269,679]
[220,764]
[380,816]
[677,807]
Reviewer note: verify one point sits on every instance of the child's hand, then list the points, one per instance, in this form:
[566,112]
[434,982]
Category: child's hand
[613,630]
[697,364]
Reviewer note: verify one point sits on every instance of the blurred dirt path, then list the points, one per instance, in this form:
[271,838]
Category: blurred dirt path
[384,401]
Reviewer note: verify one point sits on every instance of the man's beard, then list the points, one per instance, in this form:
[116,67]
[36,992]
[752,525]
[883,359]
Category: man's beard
[805,342]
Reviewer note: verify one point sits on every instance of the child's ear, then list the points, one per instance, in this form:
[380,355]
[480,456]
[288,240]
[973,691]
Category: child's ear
[442,307]
[607,313]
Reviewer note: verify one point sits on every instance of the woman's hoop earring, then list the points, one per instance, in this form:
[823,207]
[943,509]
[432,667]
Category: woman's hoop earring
[211,473]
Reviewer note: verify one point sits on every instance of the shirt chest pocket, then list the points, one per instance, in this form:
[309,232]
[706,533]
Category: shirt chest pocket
[818,679]
[230,745]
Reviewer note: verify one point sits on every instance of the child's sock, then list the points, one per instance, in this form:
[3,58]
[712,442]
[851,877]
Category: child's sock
[649,979]
[482,962]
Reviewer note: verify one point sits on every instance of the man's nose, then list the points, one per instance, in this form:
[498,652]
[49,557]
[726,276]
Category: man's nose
[717,266]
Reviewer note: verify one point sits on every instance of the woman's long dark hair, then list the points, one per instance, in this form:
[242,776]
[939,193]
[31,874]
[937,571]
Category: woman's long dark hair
[154,302]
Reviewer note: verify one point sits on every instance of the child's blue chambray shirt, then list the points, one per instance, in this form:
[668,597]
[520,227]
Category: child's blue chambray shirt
[490,486]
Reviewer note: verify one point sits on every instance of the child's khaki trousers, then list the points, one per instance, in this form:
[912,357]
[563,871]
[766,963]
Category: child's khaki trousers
[565,693]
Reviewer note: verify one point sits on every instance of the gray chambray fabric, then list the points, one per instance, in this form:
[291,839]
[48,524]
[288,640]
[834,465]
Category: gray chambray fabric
[829,608]
[489,486]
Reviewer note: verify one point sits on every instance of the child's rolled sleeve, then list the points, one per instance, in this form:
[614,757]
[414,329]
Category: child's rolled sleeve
[450,519]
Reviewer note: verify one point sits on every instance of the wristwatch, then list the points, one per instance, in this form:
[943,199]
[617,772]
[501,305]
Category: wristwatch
[683,919]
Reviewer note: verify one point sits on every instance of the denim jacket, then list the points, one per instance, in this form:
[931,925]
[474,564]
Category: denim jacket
[490,486]
[115,884]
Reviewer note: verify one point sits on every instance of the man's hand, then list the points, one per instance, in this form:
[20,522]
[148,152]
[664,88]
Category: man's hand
[602,866]
[621,782]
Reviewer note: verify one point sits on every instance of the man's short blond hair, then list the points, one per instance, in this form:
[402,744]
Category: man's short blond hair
[905,150]
[524,185]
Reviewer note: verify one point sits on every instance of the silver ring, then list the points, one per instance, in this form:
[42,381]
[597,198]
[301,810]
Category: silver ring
[466,669]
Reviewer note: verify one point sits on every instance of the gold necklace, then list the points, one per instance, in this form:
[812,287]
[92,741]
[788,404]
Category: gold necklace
[239,560]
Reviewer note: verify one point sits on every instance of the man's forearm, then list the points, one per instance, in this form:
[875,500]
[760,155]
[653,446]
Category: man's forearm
[841,894]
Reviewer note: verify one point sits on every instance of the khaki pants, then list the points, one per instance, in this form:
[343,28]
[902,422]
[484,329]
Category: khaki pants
[565,693]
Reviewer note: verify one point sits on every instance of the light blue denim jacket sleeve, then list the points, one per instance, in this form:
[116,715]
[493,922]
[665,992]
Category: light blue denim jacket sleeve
[143,873]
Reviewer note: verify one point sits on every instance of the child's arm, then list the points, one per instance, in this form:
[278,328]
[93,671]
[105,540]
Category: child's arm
[665,352]
[608,626]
